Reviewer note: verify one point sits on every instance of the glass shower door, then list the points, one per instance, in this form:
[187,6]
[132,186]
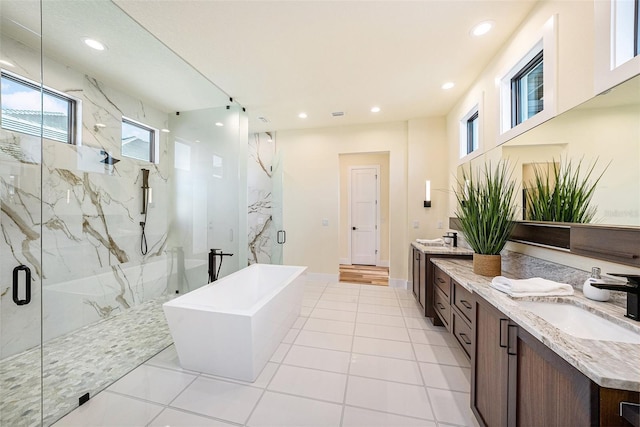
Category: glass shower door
[20,218]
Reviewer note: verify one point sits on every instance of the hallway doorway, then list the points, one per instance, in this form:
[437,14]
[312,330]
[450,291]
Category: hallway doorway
[364,217]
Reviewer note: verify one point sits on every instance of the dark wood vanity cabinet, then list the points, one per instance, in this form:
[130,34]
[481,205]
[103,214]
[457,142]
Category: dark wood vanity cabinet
[422,272]
[419,265]
[518,381]
[454,308]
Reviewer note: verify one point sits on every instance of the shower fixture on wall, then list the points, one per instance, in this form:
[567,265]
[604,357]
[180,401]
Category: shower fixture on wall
[145,207]
[108,160]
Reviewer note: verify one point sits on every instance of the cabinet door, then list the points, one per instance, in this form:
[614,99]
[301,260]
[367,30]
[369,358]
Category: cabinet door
[416,273]
[489,367]
[545,390]
[422,293]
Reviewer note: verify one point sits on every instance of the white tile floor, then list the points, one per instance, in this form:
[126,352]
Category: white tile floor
[358,356]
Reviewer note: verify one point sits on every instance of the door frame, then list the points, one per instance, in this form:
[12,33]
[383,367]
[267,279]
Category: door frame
[351,169]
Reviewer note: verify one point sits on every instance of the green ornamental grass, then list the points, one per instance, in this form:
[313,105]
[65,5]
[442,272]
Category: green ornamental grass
[567,199]
[485,207]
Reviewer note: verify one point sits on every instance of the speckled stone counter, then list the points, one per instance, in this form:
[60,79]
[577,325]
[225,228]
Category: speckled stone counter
[607,363]
[441,250]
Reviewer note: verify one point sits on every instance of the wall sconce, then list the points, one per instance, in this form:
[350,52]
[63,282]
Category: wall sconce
[427,194]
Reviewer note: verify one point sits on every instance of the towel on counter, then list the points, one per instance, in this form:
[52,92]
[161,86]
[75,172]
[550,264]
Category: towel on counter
[530,287]
[431,242]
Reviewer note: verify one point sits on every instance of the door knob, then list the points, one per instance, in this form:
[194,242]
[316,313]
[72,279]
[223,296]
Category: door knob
[353,228]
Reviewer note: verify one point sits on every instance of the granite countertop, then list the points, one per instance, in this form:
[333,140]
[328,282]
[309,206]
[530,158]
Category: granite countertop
[448,250]
[607,363]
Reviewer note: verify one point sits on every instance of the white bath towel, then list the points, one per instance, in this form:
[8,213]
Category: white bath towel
[431,242]
[535,286]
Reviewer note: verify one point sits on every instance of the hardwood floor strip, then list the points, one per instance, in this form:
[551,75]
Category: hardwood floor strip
[365,274]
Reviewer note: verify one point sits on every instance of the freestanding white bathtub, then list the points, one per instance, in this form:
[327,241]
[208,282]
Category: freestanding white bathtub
[231,327]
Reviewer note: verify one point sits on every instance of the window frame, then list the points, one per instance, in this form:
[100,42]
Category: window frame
[73,107]
[517,116]
[545,39]
[472,143]
[636,28]
[464,131]
[617,43]
[153,140]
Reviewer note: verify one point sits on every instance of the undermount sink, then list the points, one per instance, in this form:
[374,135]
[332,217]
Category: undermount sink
[580,323]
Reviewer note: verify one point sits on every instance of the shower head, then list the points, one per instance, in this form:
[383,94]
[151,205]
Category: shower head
[108,160]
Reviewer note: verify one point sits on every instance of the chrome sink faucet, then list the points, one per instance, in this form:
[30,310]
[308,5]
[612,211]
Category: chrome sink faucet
[632,288]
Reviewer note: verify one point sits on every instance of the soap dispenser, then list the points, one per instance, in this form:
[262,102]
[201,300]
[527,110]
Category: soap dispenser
[595,293]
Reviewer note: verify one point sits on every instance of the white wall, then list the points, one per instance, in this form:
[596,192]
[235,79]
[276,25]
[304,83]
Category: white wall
[312,191]
[427,148]
[417,151]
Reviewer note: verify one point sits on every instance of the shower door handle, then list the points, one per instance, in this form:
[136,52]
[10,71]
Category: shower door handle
[281,237]
[27,284]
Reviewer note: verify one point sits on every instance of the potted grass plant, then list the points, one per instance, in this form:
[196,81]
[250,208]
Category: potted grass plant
[486,212]
[561,192]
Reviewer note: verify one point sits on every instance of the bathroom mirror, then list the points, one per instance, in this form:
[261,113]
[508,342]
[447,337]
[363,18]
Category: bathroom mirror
[604,130]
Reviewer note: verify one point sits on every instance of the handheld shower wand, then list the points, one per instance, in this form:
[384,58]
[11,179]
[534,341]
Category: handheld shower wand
[145,207]
[145,191]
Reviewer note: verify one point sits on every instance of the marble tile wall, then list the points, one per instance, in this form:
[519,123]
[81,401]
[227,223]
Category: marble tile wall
[260,198]
[78,218]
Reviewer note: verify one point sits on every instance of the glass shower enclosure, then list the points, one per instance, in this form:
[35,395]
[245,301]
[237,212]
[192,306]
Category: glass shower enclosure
[120,169]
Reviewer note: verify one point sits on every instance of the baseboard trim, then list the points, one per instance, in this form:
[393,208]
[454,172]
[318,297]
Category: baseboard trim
[322,277]
[345,261]
[398,283]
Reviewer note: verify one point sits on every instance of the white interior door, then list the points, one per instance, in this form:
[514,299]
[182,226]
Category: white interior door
[364,215]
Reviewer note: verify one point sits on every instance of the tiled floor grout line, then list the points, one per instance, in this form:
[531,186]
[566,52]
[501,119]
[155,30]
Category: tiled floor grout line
[346,382]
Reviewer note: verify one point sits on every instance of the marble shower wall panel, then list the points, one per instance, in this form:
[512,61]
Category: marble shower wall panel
[259,172]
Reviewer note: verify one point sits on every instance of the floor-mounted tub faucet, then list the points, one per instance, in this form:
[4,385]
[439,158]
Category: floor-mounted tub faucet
[213,255]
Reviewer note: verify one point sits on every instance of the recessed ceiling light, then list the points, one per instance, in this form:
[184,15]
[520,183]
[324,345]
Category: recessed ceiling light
[482,28]
[448,85]
[375,109]
[165,130]
[7,63]
[302,115]
[219,124]
[94,44]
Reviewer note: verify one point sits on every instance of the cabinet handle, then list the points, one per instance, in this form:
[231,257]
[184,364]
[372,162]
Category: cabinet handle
[465,338]
[440,280]
[509,352]
[501,333]
[440,306]
[466,304]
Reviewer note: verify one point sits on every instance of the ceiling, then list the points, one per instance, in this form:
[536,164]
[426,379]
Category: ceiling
[277,58]
[280,58]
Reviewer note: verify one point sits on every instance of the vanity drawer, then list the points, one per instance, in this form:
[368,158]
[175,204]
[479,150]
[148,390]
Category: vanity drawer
[462,299]
[443,282]
[462,332]
[442,307]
